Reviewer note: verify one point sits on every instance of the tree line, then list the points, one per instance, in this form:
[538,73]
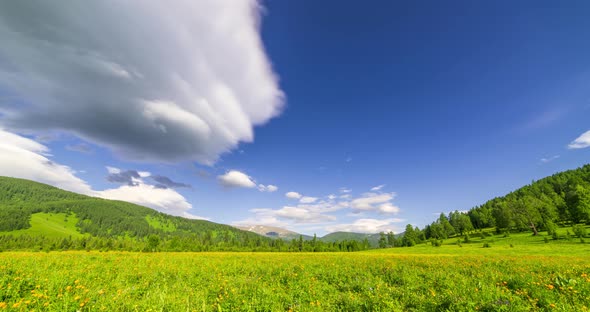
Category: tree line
[186,243]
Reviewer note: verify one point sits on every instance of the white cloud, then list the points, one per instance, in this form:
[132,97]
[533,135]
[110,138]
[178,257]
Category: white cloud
[377,188]
[388,208]
[549,159]
[113,170]
[188,81]
[307,199]
[166,200]
[345,190]
[293,195]
[267,188]
[272,188]
[320,213]
[236,178]
[582,141]
[368,226]
[24,158]
[375,202]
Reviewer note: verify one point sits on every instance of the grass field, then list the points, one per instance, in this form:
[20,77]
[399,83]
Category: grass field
[401,279]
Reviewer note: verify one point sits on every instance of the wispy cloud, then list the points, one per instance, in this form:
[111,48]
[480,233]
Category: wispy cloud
[375,202]
[549,159]
[545,119]
[267,188]
[377,188]
[80,148]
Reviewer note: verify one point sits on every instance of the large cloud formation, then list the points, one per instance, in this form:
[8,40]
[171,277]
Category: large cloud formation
[151,80]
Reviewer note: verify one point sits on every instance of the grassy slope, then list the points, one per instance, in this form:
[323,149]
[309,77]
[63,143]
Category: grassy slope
[50,225]
[159,223]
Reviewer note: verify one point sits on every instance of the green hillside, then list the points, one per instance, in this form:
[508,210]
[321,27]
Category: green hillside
[32,213]
[41,217]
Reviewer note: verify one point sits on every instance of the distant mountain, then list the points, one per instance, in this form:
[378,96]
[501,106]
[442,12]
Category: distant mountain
[277,232]
[274,232]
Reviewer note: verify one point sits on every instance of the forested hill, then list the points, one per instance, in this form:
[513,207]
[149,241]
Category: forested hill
[20,200]
[560,199]
[41,217]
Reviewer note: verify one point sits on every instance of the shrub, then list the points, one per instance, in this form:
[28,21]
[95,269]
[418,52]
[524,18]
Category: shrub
[487,245]
[551,228]
[466,238]
[579,230]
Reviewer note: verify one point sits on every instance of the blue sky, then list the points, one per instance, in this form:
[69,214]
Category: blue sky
[373,116]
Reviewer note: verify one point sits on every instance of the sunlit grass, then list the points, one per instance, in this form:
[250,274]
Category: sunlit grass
[500,244]
[387,280]
[51,225]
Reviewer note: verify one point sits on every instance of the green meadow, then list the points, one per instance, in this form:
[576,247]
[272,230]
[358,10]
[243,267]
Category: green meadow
[519,272]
